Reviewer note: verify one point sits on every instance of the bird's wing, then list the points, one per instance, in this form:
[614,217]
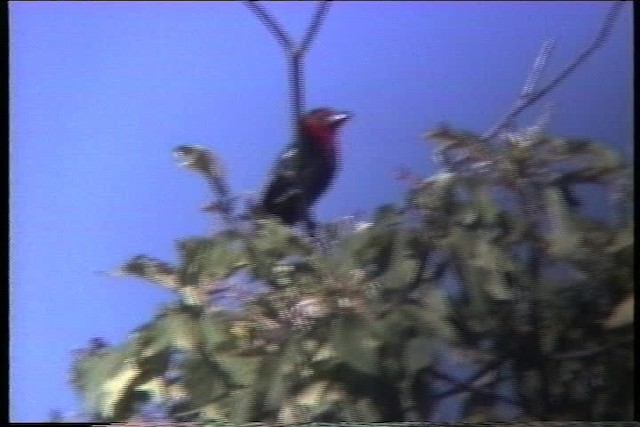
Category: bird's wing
[284,176]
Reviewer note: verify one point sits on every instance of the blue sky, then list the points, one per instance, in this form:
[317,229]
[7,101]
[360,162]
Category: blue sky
[100,92]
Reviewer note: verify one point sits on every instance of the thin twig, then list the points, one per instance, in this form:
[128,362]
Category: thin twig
[539,65]
[317,19]
[293,54]
[467,386]
[271,24]
[529,98]
[590,352]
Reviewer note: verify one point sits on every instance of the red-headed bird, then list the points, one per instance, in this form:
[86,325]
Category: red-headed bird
[305,169]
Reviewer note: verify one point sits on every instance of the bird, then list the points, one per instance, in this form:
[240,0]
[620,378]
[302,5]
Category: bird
[305,168]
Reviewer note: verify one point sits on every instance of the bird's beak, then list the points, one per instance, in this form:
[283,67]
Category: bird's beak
[337,119]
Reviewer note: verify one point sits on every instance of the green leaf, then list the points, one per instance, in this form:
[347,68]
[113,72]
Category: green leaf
[403,266]
[242,370]
[115,391]
[150,340]
[106,382]
[395,324]
[358,410]
[215,412]
[364,409]
[355,342]
[564,239]
[215,330]
[490,265]
[152,270]
[90,372]
[204,260]
[182,329]
[281,372]
[291,413]
[275,240]
[192,295]
[242,406]
[484,204]
[314,394]
[623,240]
[204,380]
[436,314]
[622,314]
[418,354]
[155,388]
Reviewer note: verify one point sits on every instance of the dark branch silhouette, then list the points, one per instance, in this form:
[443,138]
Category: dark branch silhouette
[294,54]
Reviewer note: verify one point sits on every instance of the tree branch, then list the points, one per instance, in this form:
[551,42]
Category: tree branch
[529,96]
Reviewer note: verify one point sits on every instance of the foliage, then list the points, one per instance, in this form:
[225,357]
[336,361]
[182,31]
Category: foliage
[490,262]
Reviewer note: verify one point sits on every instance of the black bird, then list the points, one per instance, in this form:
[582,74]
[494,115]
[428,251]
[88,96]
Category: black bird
[305,169]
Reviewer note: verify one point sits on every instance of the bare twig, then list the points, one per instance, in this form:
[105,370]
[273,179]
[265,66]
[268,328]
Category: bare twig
[271,24]
[314,27]
[590,352]
[530,96]
[294,54]
[539,65]
[468,386]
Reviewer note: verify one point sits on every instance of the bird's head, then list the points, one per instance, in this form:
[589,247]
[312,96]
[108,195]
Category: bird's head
[322,124]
